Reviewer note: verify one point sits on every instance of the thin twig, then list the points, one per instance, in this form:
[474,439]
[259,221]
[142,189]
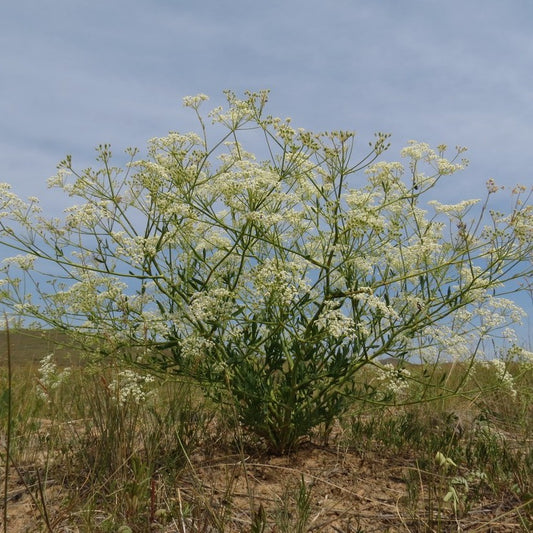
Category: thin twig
[9,423]
[44,512]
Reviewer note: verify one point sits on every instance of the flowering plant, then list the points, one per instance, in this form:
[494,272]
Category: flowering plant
[272,281]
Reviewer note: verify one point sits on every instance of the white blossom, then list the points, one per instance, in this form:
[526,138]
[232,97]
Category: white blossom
[394,380]
[214,304]
[22,261]
[335,323]
[502,375]
[195,101]
[131,387]
[50,378]
[456,210]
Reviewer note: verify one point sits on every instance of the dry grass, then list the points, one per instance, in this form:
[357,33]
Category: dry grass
[81,462]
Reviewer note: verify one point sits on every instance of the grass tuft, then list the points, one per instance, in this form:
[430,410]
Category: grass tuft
[92,453]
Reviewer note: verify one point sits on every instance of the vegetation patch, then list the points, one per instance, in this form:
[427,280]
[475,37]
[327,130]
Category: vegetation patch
[294,339]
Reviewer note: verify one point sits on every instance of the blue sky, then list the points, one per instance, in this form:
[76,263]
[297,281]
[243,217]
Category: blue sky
[77,73]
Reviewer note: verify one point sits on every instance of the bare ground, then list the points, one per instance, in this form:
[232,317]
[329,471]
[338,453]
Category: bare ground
[318,488]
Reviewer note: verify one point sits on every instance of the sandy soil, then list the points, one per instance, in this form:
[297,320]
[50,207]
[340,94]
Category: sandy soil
[348,493]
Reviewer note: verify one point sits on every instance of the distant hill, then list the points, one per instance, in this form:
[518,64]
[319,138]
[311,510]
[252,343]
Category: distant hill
[30,346]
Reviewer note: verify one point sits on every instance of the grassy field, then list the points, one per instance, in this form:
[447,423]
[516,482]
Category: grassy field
[96,448]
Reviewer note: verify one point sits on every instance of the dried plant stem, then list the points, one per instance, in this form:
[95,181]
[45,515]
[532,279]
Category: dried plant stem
[9,420]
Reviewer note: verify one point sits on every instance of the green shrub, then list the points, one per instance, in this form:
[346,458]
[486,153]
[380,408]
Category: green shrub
[271,281]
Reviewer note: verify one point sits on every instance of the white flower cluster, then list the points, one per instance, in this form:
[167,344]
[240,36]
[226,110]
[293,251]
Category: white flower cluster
[335,323]
[472,277]
[93,293]
[131,387]
[59,179]
[239,111]
[502,375]
[419,151]
[446,167]
[194,347]
[521,355]
[214,304]
[195,101]
[243,182]
[522,224]
[452,342]
[377,306]
[49,377]
[266,220]
[138,249]
[364,212]
[458,210]
[307,176]
[415,254]
[154,323]
[281,281]
[87,215]
[393,380]
[497,313]
[13,206]
[386,175]
[22,261]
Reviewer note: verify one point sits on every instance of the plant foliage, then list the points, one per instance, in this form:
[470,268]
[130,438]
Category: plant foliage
[271,279]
